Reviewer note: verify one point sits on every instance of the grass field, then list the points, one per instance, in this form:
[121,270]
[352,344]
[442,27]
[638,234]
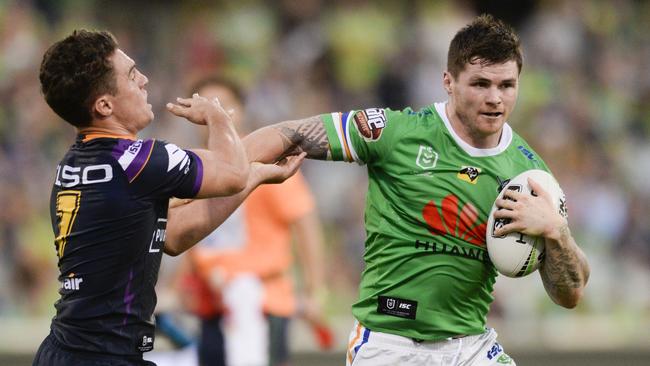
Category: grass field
[619,358]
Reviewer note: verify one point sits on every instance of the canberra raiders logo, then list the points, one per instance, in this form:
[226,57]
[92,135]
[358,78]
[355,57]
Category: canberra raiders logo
[469,174]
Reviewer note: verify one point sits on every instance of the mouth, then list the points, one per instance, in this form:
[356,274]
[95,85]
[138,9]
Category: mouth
[492,114]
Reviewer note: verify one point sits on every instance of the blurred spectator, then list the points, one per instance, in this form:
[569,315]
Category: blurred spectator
[584,106]
[248,297]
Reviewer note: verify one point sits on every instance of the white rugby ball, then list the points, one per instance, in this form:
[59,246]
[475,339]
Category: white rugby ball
[517,254]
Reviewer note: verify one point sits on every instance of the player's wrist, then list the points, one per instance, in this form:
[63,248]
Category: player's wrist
[557,229]
[215,117]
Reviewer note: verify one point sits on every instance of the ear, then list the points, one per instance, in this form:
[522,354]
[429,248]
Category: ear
[447,80]
[103,106]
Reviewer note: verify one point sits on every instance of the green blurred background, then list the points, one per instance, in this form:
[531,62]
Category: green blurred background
[584,106]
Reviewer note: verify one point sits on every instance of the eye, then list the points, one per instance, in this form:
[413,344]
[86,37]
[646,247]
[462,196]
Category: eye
[508,84]
[481,84]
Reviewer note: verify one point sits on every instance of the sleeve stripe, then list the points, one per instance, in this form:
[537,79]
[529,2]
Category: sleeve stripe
[352,153]
[199,173]
[340,122]
[127,157]
[145,161]
[343,126]
[336,122]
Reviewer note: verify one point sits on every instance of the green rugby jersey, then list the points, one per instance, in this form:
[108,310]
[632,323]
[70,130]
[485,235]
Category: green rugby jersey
[428,275]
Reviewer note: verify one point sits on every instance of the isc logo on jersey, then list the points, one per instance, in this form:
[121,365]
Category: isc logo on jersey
[370,122]
[71,283]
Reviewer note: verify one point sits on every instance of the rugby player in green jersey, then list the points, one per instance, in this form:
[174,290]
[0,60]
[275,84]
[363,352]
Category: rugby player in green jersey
[433,177]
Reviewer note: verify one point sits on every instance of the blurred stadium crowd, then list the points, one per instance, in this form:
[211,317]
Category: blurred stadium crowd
[584,106]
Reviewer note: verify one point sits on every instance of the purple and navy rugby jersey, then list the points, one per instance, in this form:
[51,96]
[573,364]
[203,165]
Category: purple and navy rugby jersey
[109,215]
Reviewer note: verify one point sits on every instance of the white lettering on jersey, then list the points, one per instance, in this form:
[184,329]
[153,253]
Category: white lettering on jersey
[72,283]
[158,237]
[129,154]
[67,173]
[108,174]
[376,118]
[176,156]
[70,176]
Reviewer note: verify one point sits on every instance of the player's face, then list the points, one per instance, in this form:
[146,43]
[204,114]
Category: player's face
[481,99]
[228,101]
[130,102]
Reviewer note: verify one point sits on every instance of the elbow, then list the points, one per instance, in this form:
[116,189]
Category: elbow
[571,299]
[176,245]
[236,183]
[172,250]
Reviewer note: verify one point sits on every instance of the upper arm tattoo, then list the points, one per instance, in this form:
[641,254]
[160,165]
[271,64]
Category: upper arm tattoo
[308,135]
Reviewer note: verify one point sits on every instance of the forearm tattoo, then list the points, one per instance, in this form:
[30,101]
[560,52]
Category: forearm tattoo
[306,135]
[563,268]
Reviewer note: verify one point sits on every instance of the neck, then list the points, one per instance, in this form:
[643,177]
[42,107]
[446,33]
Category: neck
[471,136]
[106,127]
[91,131]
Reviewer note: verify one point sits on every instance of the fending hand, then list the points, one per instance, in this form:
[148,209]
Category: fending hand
[278,172]
[199,109]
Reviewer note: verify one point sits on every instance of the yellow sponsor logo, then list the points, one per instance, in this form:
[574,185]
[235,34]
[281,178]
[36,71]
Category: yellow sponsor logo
[469,174]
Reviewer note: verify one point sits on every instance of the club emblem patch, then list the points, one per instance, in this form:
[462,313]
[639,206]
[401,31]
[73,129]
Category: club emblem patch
[370,122]
[469,174]
[427,158]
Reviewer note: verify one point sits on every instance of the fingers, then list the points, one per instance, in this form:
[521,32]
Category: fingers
[507,229]
[185,102]
[505,203]
[536,188]
[292,163]
[504,214]
[512,195]
[280,171]
[178,110]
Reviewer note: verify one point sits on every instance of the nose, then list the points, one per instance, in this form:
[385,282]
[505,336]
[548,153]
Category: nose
[145,80]
[493,96]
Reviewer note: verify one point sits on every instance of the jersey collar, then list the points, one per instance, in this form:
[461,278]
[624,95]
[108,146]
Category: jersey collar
[504,142]
[92,136]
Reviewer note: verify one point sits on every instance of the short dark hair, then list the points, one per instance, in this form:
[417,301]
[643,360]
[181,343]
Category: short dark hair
[219,80]
[486,40]
[75,71]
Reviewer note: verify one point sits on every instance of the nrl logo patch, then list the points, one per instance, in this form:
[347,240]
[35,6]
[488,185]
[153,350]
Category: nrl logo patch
[469,174]
[370,122]
[427,158]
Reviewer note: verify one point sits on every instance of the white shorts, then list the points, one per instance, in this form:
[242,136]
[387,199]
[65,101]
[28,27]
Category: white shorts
[370,348]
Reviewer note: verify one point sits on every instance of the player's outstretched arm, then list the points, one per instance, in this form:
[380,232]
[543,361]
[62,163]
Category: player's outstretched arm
[225,166]
[289,138]
[564,269]
[191,221]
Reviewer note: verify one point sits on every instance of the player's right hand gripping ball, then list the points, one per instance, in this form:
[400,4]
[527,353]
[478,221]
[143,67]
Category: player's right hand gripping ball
[517,254]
